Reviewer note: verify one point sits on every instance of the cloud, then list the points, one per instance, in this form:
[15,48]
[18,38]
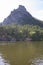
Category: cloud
[38,14]
[35,7]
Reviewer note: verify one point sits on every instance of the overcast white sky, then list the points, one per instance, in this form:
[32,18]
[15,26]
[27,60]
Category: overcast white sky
[35,7]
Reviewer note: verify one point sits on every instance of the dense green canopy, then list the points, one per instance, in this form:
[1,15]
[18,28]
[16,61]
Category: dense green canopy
[20,33]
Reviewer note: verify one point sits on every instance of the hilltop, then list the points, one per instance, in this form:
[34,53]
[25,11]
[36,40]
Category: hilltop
[21,16]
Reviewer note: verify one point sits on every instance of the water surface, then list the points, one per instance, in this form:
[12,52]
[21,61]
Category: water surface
[21,53]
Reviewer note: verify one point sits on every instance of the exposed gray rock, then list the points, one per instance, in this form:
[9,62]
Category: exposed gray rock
[21,16]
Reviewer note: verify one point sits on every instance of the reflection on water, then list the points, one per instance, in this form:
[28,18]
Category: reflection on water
[3,61]
[21,53]
[37,61]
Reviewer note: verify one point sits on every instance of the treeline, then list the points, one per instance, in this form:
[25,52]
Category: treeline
[21,33]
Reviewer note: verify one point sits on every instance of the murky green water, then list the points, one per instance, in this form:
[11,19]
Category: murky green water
[21,53]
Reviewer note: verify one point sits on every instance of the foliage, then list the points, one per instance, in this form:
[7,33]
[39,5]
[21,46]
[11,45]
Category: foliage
[20,32]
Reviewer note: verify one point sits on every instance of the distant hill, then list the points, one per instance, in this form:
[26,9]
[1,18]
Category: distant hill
[21,16]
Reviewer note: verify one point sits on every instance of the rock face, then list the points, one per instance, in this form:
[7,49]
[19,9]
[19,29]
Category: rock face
[21,16]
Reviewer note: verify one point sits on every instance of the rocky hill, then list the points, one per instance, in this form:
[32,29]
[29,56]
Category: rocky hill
[21,16]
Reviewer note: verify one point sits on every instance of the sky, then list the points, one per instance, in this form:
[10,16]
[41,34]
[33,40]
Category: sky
[35,7]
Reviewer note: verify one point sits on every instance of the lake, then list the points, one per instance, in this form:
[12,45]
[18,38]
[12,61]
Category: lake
[21,53]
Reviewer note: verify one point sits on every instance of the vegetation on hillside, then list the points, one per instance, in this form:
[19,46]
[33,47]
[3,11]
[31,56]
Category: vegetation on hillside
[20,33]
